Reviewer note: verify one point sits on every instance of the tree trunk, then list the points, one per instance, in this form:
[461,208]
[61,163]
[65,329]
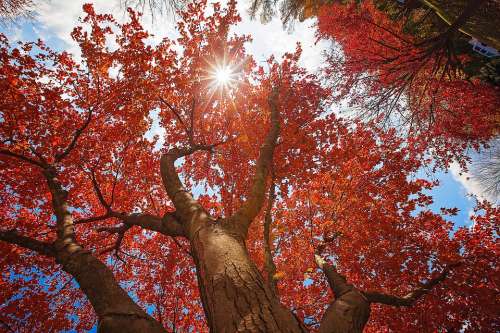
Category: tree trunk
[349,313]
[234,294]
[350,310]
[116,311]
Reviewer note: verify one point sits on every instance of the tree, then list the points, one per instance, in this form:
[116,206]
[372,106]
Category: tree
[204,230]
[418,83]
[156,6]
[11,9]
[289,10]
[486,169]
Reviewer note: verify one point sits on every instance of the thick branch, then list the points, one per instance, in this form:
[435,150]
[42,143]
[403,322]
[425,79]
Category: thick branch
[12,237]
[168,225]
[350,310]
[183,201]
[252,206]
[21,157]
[412,297]
[93,219]
[96,280]
[337,282]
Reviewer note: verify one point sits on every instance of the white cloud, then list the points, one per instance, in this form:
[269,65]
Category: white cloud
[469,184]
[59,17]
[271,39]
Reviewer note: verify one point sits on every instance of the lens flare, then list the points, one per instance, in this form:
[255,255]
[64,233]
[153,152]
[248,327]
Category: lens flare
[223,75]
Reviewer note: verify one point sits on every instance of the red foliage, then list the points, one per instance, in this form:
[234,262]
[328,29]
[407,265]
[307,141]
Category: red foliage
[417,84]
[335,177]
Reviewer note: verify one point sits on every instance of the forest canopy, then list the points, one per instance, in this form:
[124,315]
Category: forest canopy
[257,207]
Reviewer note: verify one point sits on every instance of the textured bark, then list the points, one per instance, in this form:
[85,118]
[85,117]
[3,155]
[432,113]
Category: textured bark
[350,310]
[234,293]
[116,311]
[349,313]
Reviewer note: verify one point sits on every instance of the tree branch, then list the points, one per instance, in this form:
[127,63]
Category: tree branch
[76,135]
[120,231]
[10,236]
[167,225]
[64,219]
[412,297]
[177,115]
[21,157]
[98,192]
[252,206]
[337,282]
[183,201]
[93,219]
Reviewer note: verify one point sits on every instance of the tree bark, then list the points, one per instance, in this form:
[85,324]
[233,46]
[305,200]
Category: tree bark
[116,311]
[350,310]
[234,294]
[349,313]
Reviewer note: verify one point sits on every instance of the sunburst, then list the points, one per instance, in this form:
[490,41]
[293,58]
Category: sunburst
[223,76]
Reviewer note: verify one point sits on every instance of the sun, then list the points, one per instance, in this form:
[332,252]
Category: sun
[223,75]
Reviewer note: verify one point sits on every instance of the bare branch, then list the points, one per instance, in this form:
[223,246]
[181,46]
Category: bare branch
[412,297]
